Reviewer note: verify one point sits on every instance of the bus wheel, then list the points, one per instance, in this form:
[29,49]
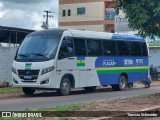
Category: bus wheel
[122,84]
[65,87]
[28,91]
[90,89]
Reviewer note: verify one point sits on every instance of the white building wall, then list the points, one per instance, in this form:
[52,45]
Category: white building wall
[7,55]
[99,28]
[154,56]
[94,11]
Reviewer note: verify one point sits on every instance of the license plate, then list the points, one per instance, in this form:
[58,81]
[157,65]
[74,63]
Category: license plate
[27,77]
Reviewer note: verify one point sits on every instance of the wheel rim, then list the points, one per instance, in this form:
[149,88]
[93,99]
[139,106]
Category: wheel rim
[123,82]
[65,87]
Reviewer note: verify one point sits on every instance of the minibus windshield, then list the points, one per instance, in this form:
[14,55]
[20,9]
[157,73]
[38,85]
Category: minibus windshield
[38,48]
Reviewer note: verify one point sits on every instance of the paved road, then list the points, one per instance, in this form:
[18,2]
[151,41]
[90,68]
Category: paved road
[51,99]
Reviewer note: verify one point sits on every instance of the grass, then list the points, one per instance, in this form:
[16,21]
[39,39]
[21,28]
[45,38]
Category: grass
[62,108]
[59,109]
[10,90]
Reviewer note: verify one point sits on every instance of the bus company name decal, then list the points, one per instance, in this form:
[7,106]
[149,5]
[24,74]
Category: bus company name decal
[109,63]
[128,61]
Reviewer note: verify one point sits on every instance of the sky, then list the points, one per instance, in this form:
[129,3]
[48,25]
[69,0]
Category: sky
[27,14]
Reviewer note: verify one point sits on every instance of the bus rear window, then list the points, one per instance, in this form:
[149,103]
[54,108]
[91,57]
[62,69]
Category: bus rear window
[144,49]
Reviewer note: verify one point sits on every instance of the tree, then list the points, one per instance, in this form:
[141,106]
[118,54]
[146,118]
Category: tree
[143,15]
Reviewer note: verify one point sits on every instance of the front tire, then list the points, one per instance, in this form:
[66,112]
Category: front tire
[28,91]
[65,87]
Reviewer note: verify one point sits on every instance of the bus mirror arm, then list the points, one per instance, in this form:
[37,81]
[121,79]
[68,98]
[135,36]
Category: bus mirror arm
[71,58]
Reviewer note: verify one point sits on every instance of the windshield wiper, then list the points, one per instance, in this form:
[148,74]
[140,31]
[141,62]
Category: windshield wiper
[38,54]
[22,55]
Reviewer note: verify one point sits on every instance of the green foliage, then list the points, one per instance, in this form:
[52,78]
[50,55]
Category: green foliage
[64,118]
[144,15]
[10,90]
[62,108]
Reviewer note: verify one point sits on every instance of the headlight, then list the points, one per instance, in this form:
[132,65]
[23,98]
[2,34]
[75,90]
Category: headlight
[14,70]
[46,70]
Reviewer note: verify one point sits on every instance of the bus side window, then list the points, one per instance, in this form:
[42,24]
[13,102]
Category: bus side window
[109,48]
[94,47]
[144,49]
[66,49]
[135,48]
[80,46]
[123,48]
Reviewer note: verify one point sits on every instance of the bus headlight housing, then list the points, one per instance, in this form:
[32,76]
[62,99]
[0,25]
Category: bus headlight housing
[46,70]
[14,70]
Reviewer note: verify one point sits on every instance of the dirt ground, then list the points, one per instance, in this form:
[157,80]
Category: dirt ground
[129,104]
[122,107]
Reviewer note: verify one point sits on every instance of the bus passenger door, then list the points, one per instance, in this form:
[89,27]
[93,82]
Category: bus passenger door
[66,62]
[80,52]
[82,78]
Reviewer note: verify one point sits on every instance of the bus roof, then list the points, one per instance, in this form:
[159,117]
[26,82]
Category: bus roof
[127,37]
[55,31]
[90,34]
[105,35]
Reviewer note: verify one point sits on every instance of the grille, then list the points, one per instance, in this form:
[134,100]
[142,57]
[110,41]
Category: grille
[28,75]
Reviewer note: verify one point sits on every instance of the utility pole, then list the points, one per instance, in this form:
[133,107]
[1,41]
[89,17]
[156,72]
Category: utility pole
[45,24]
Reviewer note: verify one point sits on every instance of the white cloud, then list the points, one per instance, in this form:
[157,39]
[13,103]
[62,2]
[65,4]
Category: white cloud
[27,13]
[1,13]
[37,20]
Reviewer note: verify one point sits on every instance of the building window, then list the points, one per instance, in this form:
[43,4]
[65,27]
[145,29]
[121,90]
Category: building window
[110,14]
[69,12]
[64,13]
[81,11]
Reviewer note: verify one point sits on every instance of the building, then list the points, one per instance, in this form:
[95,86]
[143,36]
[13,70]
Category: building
[10,38]
[95,15]
[12,35]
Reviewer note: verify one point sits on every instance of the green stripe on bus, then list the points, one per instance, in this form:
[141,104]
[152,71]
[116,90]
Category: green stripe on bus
[120,71]
[80,61]
[80,64]
[28,66]
[112,70]
[123,68]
